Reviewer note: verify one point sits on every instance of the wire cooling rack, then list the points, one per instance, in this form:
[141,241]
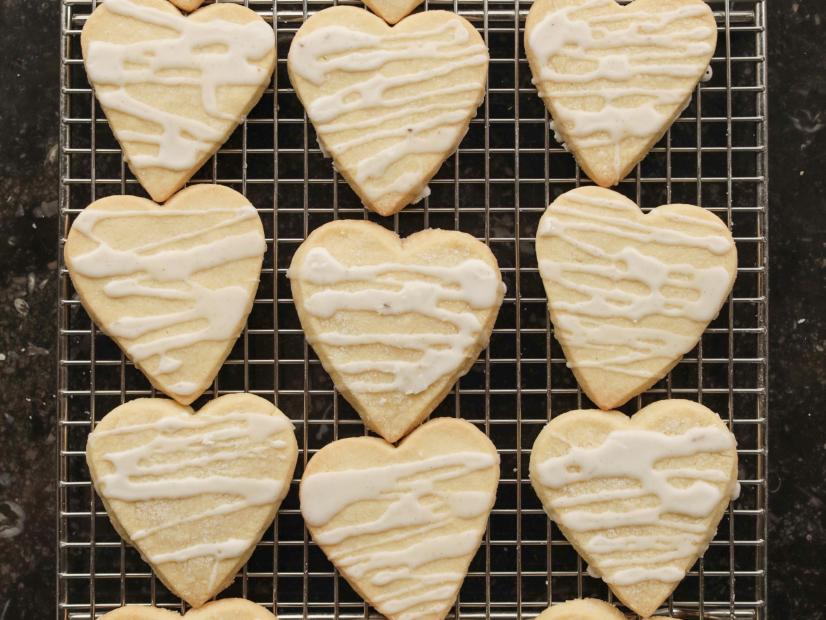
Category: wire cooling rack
[496,186]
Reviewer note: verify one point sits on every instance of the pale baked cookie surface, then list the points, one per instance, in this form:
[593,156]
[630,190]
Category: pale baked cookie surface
[402,524]
[388,104]
[639,498]
[173,88]
[392,11]
[172,285]
[187,5]
[629,294]
[582,609]
[615,77]
[140,612]
[395,322]
[224,609]
[230,609]
[193,492]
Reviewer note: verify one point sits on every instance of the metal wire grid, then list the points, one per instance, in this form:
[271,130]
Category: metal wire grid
[496,186]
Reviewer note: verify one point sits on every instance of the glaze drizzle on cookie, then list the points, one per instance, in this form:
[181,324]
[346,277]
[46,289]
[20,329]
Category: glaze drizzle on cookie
[207,55]
[609,84]
[401,550]
[392,112]
[622,556]
[394,290]
[166,460]
[625,308]
[158,271]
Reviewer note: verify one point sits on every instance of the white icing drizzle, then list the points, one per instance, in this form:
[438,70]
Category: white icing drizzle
[625,557]
[416,505]
[615,100]
[225,550]
[557,137]
[215,313]
[472,282]
[401,125]
[166,462]
[208,55]
[424,194]
[604,319]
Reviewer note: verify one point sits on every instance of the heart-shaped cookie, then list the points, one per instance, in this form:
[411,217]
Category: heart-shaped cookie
[629,294]
[392,11]
[639,498]
[388,104]
[614,77]
[175,87]
[395,322]
[402,524]
[193,492]
[582,609]
[224,609]
[172,285]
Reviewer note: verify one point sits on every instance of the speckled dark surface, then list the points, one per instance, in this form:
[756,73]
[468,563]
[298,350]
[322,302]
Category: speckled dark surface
[28,230]
[797,526]
[28,221]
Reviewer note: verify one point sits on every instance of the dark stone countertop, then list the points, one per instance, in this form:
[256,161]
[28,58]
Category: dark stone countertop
[28,223]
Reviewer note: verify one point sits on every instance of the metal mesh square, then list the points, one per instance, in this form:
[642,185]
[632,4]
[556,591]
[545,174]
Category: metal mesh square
[496,186]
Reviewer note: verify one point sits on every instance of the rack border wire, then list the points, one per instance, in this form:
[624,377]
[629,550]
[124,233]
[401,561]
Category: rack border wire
[495,186]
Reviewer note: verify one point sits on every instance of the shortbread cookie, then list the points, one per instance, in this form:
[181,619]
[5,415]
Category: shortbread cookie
[193,492]
[639,498]
[395,322]
[615,77]
[392,11]
[225,609]
[389,105]
[629,294]
[402,524]
[175,87]
[172,285]
[582,609]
